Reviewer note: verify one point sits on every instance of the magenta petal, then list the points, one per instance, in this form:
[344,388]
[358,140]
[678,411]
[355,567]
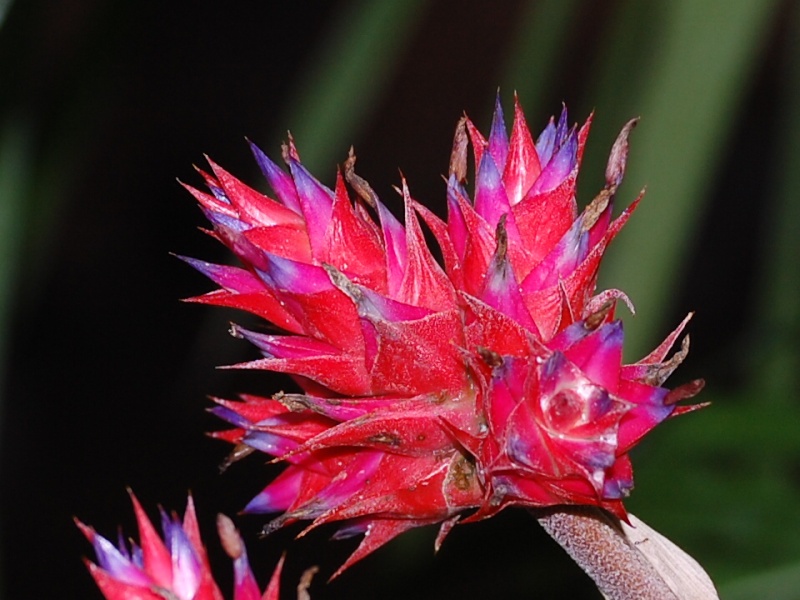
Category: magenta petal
[456,223]
[211,203]
[269,443]
[619,479]
[316,201]
[424,283]
[245,584]
[279,180]
[297,277]
[527,444]
[491,201]
[599,355]
[221,219]
[286,346]
[394,239]
[214,187]
[119,566]
[231,278]
[345,409]
[231,416]
[237,241]
[375,307]
[278,495]
[506,391]
[479,247]
[351,529]
[344,484]
[186,565]
[648,411]
[560,262]
[559,167]
[502,292]
[571,403]
[252,206]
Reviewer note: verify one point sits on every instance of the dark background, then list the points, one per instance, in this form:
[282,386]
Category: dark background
[105,373]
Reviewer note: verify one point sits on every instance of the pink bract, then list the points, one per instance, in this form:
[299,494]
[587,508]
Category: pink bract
[433,391]
[174,565]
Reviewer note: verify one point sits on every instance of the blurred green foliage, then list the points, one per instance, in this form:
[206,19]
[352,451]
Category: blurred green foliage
[723,483]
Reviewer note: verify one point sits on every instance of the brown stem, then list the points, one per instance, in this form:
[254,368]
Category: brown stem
[595,540]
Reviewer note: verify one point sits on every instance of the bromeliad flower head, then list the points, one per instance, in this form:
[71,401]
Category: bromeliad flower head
[429,390]
[175,567]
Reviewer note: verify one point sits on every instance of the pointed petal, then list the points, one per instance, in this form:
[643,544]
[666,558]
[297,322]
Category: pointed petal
[424,283]
[498,137]
[479,143]
[285,346]
[211,203]
[157,559]
[379,532]
[231,278]
[342,374]
[280,494]
[491,201]
[440,232]
[545,143]
[351,246]
[115,589]
[409,433]
[559,167]
[476,247]
[316,202]
[262,304]
[522,166]
[273,589]
[324,312]
[280,181]
[501,289]
[252,206]
[395,248]
[289,241]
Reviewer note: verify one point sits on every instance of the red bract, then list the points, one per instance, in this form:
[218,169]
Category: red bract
[429,390]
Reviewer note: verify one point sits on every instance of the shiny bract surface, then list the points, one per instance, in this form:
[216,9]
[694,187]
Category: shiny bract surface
[431,392]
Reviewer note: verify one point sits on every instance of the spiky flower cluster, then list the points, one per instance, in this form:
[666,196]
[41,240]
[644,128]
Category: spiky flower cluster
[430,390]
[175,567]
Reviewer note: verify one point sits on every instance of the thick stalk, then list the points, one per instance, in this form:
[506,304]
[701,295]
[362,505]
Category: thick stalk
[596,541]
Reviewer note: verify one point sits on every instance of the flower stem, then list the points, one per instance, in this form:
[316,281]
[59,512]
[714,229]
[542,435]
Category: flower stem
[596,541]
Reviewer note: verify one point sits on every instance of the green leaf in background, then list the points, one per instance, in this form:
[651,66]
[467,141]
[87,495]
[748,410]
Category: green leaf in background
[4,6]
[533,60]
[775,362]
[14,180]
[770,401]
[689,99]
[777,584]
[346,75]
